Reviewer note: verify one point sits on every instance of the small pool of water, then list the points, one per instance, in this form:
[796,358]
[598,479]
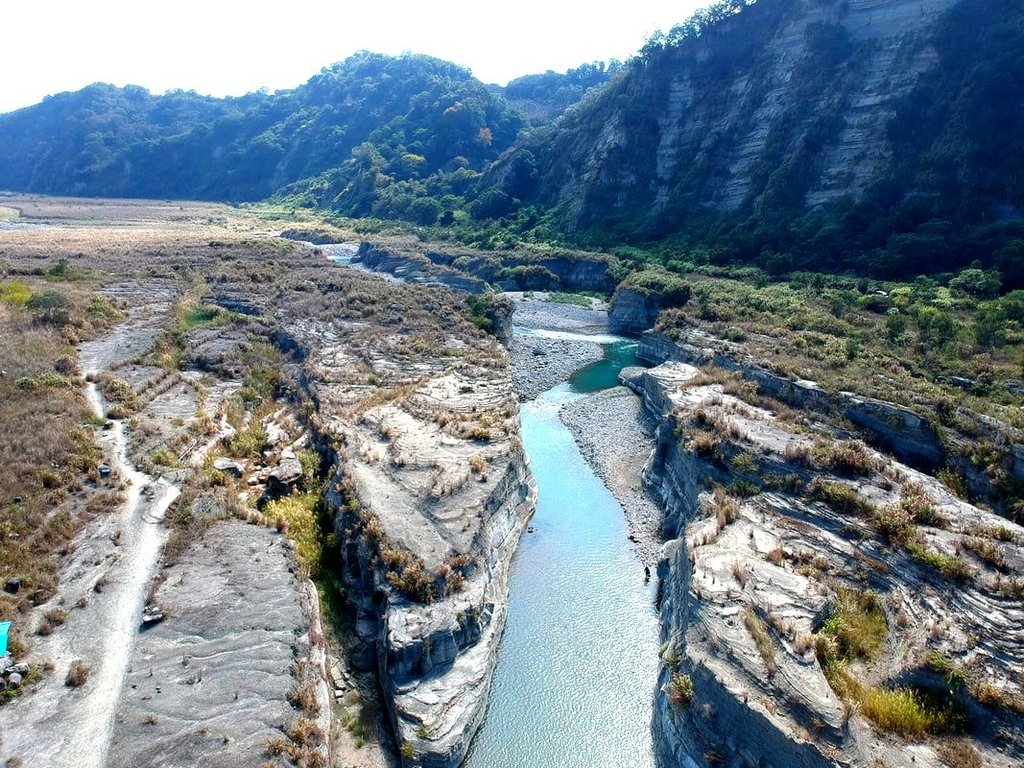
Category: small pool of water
[604,374]
[341,253]
[579,659]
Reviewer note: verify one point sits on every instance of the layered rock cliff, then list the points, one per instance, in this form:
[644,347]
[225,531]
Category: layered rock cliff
[472,270]
[715,119]
[429,494]
[915,434]
[781,538]
[736,125]
[633,311]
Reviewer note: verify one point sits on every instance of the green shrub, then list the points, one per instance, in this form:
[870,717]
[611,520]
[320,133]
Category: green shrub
[50,307]
[857,624]
[247,443]
[680,690]
[672,290]
[669,655]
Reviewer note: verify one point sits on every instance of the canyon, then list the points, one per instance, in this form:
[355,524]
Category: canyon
[347,487]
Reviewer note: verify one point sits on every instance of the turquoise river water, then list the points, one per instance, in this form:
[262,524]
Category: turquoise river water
[579,659]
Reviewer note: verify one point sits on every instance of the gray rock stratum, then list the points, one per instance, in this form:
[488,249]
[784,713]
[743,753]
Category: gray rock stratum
[430,493]
[757,581]
[210,685]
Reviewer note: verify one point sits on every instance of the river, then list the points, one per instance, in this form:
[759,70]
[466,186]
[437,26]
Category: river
[579,658]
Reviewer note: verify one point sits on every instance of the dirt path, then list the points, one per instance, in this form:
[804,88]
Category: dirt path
[58,726]
[103,587]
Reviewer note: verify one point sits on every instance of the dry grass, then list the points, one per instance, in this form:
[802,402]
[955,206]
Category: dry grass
[47,448]
[740,573]
[762,639]
[845,457]
[78,674]
[958,753]
[727,508]
[857,625]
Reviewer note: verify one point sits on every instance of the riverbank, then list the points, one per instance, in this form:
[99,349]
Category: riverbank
[540,363]
[615,435]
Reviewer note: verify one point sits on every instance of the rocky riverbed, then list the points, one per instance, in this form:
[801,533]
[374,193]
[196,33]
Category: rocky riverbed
[541,361]
[615,434]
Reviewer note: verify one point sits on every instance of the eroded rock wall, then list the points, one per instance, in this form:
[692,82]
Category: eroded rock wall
[430,492]
[914,436]
[775,559]
[632,311]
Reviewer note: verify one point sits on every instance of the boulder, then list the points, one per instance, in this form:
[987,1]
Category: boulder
[229,466]
[284,477]
[152,614]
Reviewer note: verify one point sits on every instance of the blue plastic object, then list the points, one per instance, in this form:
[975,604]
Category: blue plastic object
[5,627]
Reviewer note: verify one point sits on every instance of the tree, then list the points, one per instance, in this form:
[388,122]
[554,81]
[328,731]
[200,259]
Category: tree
[492,204]
[50,307]
[424,210]
[976,283]
[935,328]
[895,326]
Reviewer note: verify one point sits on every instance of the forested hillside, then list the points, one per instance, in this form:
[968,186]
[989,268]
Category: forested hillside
[357,122]
[885,138]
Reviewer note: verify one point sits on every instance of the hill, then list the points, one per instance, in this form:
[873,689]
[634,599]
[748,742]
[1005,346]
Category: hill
[349,131]
[878,137]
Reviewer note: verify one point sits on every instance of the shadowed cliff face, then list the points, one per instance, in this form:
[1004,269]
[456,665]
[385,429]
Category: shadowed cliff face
[796,106]
[787,103]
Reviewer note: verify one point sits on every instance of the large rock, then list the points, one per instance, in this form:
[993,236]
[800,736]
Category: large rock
[633,311]
[284,478]
[431,491]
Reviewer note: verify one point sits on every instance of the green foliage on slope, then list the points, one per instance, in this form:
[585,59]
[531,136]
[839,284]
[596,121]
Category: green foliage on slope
[362,124]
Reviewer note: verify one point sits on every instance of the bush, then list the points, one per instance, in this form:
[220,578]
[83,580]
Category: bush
[78,674]
[680,691]
[50,307]
[15,293]
[656,281]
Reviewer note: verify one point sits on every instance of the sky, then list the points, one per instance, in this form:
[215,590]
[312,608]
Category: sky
[230,47]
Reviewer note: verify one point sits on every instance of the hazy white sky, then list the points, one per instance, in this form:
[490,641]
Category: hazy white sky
[230,46]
